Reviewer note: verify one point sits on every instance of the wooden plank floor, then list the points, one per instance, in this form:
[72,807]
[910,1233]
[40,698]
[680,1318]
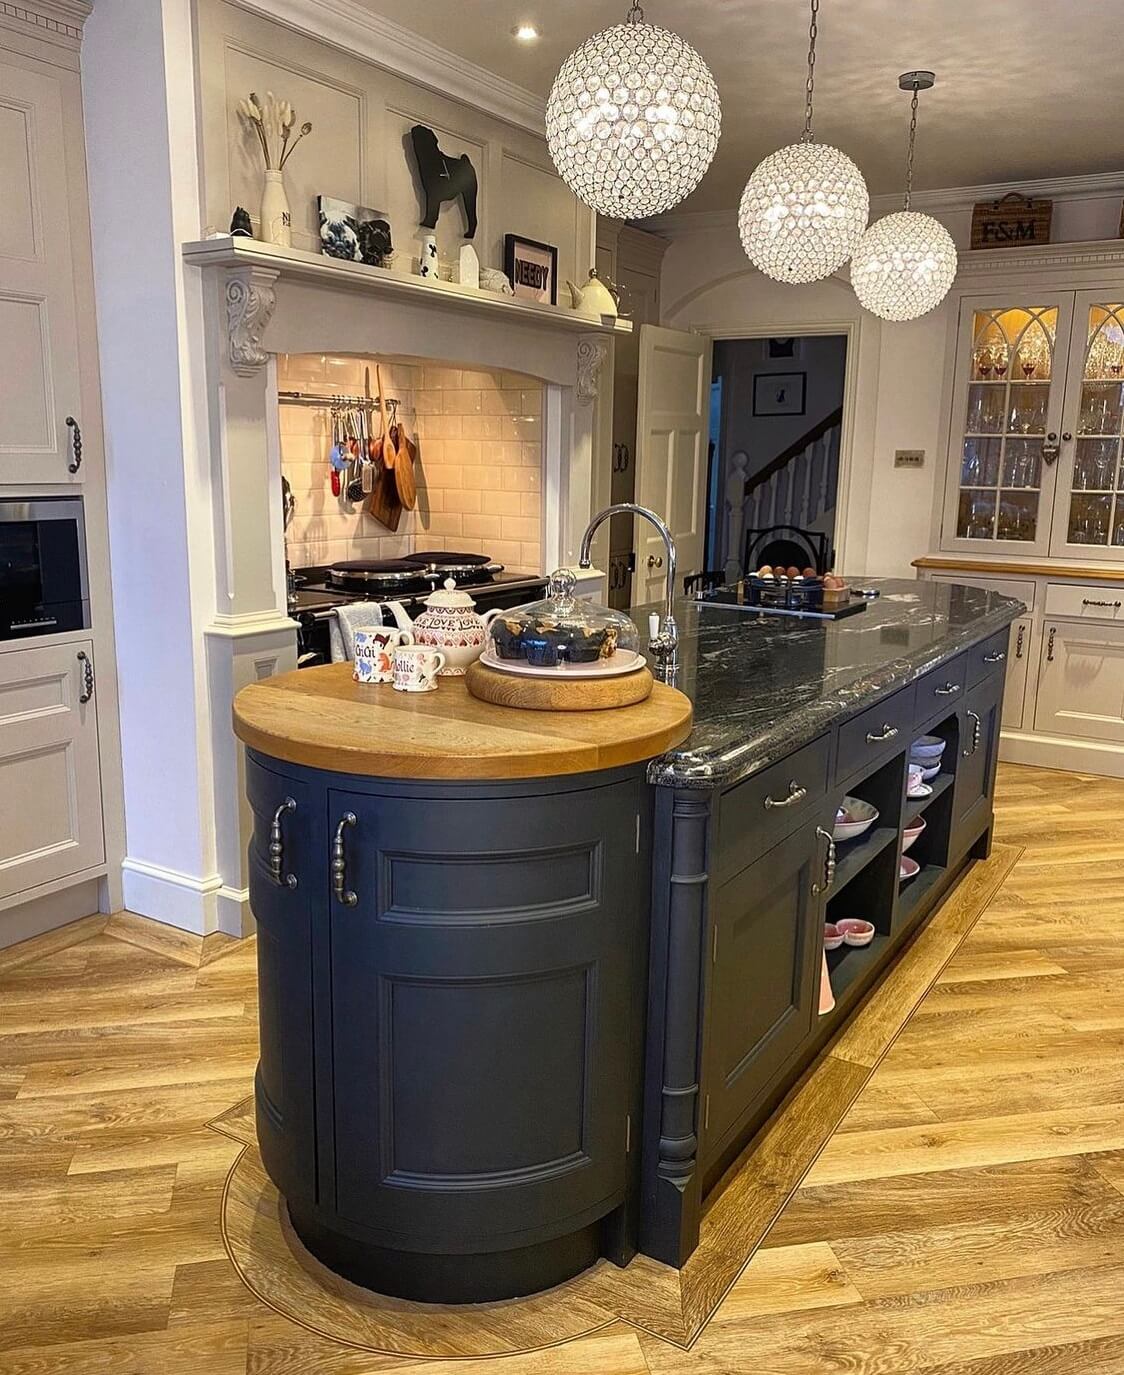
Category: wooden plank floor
[966,1219]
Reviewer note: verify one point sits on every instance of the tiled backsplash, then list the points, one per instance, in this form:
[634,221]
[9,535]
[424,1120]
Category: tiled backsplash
[478,469]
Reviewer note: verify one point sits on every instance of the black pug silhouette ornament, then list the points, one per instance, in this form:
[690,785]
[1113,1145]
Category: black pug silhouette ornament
[443,179]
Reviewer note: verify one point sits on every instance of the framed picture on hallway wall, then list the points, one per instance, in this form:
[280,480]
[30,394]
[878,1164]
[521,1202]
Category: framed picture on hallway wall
[779,393]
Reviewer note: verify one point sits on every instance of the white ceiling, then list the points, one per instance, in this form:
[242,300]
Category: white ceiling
[1025,88]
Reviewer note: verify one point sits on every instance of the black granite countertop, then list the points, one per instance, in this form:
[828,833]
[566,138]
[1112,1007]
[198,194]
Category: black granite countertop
[764,685]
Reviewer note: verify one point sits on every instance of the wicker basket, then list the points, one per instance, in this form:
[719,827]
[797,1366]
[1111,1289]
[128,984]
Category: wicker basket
[1013,221]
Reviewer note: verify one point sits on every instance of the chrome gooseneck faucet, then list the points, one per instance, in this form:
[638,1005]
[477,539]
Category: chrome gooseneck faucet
[664,645]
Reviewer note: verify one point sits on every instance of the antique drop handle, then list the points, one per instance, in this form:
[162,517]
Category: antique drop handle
[1050,644]
[339,863]
[886,733]
[996,658]
[949,690]
[87,677]
[1051,448]
[795,794]
[1020,639]
[1092,601]
[975,736]
[828,863]
[277,846]
[75,444]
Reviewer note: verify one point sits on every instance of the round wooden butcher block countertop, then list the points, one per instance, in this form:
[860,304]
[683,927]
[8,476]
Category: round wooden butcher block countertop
[323,719]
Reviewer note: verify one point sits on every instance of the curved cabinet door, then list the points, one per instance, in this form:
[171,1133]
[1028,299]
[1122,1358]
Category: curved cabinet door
[284,1084]
[483,989]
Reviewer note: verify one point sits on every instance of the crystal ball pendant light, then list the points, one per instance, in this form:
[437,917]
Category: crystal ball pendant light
[805,206]
[633,119]
[905,263]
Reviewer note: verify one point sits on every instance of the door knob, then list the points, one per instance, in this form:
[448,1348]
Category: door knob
[655,560]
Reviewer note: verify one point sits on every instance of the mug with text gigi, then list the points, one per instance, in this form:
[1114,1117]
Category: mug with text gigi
[374,653]
[416,668]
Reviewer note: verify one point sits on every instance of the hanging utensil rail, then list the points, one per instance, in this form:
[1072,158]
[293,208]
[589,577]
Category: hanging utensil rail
[302,398]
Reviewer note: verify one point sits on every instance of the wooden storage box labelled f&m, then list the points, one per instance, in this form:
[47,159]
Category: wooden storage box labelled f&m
[1013,221]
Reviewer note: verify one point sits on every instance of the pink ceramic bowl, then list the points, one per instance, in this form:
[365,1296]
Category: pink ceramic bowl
[910,867]
[854,931]
[832,936]
[911,832]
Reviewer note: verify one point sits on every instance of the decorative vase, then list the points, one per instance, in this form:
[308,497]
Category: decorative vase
[427,259]
[276,219]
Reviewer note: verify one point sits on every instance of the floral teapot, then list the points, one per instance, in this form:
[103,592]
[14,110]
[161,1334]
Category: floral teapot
[449,623]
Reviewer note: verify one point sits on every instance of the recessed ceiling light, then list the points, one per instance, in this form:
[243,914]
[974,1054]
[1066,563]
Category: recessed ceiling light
[526,33]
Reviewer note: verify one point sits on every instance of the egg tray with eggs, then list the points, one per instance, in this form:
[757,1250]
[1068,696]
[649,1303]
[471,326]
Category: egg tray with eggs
[800,591]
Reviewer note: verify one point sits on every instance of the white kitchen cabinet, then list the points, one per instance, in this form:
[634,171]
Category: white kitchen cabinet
[1081,681]
[1019,652]
[39,355]
[50,775]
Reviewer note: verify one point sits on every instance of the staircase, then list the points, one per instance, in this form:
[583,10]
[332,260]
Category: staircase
[797,488]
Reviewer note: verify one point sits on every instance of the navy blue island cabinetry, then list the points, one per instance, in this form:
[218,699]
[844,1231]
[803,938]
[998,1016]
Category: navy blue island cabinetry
[528,985]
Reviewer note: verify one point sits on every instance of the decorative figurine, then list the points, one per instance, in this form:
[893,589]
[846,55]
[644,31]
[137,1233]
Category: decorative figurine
[240,226]
[469,267]
[492,279]
[443,179]
[428,265]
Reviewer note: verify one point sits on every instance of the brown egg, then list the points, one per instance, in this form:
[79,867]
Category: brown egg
[792,571]
[765,571]
[809,572]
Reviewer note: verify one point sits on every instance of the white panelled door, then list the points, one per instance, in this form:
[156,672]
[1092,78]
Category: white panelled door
[38,329]
[671,452]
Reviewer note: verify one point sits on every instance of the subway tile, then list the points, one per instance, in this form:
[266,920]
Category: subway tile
[500,402]
[482,381]
[443,426]
[530,504]
[508,454]
[461,402]
[444,475]
[481,477]
[526,429]
[532,455]
[530,402]
[521,479]
[505,503]
[482,527]
[482,427]
[468,501]
[441,379]
[302,448]
[445,523]
[522,528]
[507,552]
[463,451]
[531,557]
[428,402]
[518,380]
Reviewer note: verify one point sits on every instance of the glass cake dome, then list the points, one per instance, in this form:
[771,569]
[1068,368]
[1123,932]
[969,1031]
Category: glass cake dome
[561,630]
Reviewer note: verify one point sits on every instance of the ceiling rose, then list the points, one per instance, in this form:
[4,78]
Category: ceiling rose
[805,207]
[633,119]
[905,263]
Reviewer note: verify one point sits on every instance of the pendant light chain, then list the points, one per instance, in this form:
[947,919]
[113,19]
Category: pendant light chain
[912,141]
[813,28]
[635,13]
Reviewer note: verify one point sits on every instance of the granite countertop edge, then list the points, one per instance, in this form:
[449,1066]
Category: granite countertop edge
[706,769]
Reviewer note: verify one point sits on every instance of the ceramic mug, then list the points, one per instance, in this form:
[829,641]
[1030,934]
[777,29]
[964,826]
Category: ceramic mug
[374,653]
[416,668]
[915,779]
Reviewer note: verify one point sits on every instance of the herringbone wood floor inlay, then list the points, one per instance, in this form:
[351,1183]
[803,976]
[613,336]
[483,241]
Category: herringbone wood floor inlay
[967,1217]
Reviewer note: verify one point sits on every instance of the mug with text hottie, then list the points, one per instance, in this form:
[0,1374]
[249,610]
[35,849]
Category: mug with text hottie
[374,652]
[416,668]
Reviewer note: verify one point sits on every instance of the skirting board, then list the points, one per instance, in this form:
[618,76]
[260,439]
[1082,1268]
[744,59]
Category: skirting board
[200,906]
[1062,752]
[48,913]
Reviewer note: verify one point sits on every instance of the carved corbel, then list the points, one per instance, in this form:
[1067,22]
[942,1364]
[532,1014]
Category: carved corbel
[592,352]
[250,301]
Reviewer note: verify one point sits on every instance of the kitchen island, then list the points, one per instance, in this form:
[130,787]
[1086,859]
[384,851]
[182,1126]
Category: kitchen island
[530,981]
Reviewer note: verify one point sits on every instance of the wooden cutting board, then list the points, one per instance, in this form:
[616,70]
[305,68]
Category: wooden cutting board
[554,694]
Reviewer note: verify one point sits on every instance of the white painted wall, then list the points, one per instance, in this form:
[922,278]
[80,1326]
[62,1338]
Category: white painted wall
[708,284]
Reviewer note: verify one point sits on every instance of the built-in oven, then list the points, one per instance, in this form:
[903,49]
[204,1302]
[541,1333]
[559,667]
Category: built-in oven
[43,583]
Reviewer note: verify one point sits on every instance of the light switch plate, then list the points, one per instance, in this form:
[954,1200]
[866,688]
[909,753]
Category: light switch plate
[909,458]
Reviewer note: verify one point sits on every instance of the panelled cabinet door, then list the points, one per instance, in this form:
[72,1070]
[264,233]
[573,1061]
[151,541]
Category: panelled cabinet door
[501,1051]
[1007,412]
[763,980]
[1081,680]
[1019,651]
[979,727]
[1089,503]
[50,774]
[38,334]
[287,884]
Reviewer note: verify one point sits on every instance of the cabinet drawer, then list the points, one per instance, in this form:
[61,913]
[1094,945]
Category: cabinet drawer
[943,687]
[1083,601]
[988,657]
[875,734]
[1081,682]
[770,805]
[1020,589]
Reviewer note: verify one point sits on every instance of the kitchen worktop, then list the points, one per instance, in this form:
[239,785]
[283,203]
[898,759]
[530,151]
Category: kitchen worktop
[322,718]
[762,685]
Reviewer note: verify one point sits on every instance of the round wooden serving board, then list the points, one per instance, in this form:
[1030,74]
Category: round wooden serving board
[322,718]
[558,693]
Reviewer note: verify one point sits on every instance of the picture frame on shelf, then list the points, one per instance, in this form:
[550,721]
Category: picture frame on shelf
[531,268]
[779,393]
[354,233]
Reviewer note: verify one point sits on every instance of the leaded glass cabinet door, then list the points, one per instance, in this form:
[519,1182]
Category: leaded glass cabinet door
[1006,423]
[1089,506]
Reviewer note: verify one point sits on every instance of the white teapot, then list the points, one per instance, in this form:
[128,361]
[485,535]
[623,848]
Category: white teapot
[451,624]
[597,297]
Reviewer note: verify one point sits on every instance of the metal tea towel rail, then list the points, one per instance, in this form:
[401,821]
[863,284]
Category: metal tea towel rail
[339,402]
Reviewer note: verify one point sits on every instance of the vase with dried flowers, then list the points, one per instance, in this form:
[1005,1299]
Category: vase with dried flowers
[273,120]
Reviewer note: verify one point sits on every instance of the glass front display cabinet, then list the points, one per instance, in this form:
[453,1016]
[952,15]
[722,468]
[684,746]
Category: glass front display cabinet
[1038,412]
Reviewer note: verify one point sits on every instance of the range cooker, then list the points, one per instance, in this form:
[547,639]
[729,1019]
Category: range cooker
[316,592]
